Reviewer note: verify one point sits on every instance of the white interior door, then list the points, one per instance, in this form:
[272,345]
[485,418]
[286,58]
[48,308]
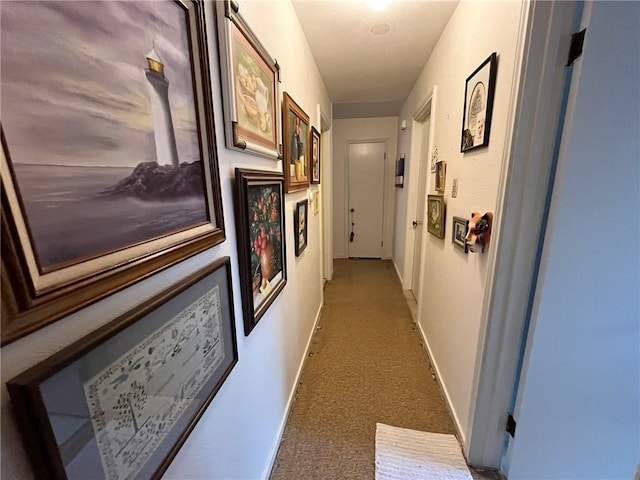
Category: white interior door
[418,222]
[366,188]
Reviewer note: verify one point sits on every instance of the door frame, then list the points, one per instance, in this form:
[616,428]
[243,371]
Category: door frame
[346,189]
[426,109]
[525,184]
[326,193]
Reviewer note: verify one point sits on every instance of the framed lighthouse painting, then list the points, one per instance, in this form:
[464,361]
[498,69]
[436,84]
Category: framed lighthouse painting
[250,86]
[109,168]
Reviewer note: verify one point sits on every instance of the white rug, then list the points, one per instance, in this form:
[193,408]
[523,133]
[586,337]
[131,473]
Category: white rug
[403,454]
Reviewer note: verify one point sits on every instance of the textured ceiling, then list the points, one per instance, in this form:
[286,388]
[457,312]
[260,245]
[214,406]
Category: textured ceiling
[359,67]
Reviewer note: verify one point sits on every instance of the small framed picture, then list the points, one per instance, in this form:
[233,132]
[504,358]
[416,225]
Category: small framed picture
[296,146]
[459,233]
[441,174]
[300,225]
[436,215]
[316,202]
[315,155]
[400,172]
[478,105]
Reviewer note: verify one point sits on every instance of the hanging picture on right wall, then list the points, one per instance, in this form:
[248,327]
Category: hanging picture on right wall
[478,105]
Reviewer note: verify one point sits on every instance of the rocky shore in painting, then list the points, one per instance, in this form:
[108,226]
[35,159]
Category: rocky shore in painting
[153,182]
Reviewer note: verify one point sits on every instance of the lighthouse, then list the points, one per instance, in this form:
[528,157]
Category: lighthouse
[166,149]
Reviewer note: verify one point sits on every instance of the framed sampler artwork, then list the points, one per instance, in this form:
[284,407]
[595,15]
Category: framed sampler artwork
[261,241]
[250,86]
[300,222]
[296,146]
[109,167]
[479,92]
[120,402]
[315,141]
[441,176]
[436,215]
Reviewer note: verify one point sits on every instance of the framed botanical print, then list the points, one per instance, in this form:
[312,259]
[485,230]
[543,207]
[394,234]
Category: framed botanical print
[315,141]
[300,222]
[459,233]
[436,215]
[441,175]
[479,92]
[261,241]
[120,402]
[296,146]
[108,159]
[250,83]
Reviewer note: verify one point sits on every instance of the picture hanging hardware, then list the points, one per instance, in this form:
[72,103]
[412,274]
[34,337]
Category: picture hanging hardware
[511,426]
[575,50]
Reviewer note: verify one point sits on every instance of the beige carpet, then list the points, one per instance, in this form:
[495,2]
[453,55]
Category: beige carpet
[367,366]
[405,454]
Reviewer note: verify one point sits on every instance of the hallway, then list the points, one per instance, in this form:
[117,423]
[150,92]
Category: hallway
[366,365]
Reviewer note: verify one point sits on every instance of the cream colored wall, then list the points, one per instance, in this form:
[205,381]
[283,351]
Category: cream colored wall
[454,283]
[238,435]
[358,130]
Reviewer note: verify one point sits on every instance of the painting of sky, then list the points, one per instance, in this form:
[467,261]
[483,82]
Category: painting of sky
[77,118]
[73,83]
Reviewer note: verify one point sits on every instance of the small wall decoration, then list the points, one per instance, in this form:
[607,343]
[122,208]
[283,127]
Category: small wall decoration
[479,232]
[315,140]
[436,215]
[300,225]
[459,233]
[400,172]
[120,402]
[316,202]
[296,146]
[434,159]
[250,85]
[441,176]
[454,188]
[261,241]
[478,105]
[109,167]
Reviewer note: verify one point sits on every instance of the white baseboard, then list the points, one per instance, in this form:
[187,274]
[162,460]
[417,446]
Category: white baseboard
[266,473]
[395,265]
[449,405]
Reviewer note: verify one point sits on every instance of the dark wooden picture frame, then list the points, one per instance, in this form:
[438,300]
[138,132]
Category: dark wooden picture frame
[301,225]
[315,140]
[295,163]
[250,86]
[261,241]
[436,215]
[36,294]
[458,238]
[70,411]
[479,93]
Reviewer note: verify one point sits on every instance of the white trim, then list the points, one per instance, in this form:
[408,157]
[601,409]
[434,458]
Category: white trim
[527,158]
[395,265]
[273,452]
[447,397]
[427,108]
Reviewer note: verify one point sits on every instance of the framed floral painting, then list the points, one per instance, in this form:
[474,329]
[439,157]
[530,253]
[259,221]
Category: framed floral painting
[296,146]
[300,222]
[261,241]
[250,80]
[436,215]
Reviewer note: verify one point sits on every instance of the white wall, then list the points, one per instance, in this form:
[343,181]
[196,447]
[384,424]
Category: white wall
[361,129]
[578,410]
[454,283]
[238,435]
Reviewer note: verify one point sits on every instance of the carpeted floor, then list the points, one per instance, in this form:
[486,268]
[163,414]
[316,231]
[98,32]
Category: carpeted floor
[366,365]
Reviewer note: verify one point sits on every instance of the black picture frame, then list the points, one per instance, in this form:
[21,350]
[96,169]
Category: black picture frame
[137,386]
[479,93]
[459,229]
[261,241]
[37,293]
[301,225]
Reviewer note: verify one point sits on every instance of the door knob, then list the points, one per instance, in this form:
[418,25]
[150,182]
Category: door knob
[415,223]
